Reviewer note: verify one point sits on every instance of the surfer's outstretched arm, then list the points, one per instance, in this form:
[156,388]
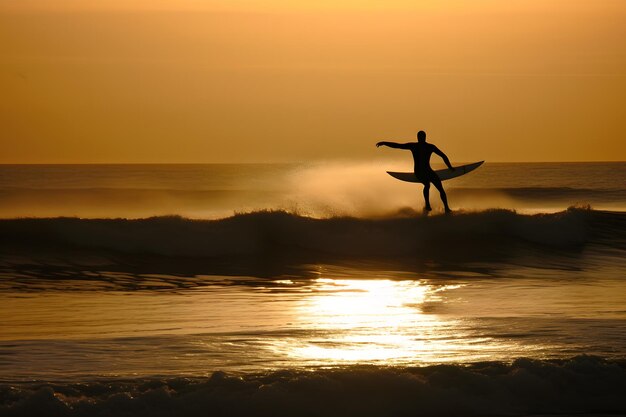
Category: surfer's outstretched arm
[395,145]
[444,157]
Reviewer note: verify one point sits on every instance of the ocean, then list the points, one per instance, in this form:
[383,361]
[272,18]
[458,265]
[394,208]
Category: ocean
[317,289]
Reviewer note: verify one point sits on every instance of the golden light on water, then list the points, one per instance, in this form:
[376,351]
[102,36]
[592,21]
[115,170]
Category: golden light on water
[371,303]
[377,321]
[257,325]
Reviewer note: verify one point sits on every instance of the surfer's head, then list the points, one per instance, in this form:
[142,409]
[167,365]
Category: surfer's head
[421,136]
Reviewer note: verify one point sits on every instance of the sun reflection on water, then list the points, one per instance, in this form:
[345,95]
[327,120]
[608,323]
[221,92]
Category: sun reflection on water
[375,320]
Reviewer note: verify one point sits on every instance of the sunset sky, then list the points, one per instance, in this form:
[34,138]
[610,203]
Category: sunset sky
[286,81]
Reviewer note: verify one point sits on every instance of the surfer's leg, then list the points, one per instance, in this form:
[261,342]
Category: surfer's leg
[437,182]
[426,195]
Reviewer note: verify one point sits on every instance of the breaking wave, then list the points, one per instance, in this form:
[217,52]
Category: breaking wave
[277,243]
[266,232]
[581,385]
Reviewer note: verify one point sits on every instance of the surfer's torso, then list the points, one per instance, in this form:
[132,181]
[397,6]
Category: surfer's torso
[421,158]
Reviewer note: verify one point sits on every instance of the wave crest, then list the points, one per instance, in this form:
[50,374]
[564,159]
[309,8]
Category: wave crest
[263,231]
[270,241]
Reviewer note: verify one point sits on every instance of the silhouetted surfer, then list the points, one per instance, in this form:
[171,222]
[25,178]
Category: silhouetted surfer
[421,151]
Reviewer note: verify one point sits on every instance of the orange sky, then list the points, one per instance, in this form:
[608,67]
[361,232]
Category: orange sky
[251,81]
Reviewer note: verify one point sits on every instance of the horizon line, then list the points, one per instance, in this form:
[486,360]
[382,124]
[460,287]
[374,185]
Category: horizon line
[285,163]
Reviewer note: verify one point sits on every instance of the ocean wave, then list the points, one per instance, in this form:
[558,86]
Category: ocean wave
[581,385]
[281,238]
[263,231]
[550,194]
[276,231]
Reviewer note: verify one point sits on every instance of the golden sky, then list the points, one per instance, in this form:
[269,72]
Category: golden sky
[277,80]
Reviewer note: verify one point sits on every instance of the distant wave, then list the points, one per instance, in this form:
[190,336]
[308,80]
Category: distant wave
[550,193]
[583,385]
[283,235]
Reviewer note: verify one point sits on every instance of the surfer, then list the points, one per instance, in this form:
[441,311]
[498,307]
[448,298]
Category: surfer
[422,151]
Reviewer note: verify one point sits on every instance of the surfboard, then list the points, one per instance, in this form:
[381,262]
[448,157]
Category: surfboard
[444,174]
